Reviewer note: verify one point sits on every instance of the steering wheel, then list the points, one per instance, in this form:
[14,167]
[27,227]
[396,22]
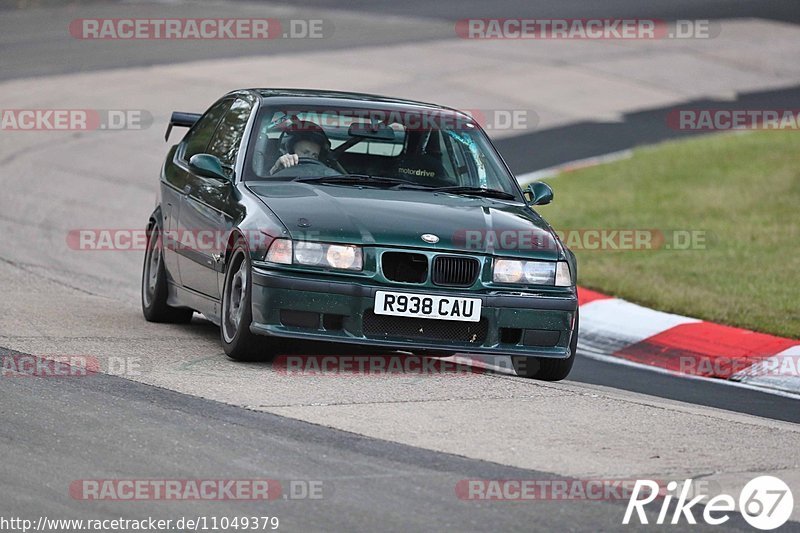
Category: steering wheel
[307,166]
[305,160]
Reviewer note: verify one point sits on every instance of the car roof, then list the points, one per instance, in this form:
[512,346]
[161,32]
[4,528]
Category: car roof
[326,97]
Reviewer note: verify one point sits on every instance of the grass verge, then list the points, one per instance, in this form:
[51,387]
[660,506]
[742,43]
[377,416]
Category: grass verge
[740,191]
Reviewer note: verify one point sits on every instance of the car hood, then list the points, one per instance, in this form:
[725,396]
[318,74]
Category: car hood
[372,216]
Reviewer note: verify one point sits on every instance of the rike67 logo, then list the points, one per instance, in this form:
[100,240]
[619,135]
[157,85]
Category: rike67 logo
[765,502]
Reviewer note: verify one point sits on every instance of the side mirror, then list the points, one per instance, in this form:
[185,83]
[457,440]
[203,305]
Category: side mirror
[208,166]
[538,193]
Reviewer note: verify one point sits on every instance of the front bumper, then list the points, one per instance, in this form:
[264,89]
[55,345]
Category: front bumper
[512,323]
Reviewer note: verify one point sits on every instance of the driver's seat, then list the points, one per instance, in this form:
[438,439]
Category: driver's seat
[265,156]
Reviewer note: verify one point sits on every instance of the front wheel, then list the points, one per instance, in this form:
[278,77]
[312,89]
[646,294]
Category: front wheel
[545,368]
[237,313]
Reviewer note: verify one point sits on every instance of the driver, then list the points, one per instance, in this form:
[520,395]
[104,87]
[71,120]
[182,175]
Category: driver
[302,139]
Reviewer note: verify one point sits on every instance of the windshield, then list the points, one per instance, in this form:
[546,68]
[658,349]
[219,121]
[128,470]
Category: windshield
[428,148]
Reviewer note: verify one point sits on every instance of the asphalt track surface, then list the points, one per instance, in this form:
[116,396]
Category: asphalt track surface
[107,427]
[37,45]
[115,426]
[55,431]
[784,10]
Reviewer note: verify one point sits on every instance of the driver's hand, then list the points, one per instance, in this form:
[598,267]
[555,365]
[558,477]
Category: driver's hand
[285,161]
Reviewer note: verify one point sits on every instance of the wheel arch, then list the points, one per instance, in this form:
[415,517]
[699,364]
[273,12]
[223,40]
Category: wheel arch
[155,218]
[236,234]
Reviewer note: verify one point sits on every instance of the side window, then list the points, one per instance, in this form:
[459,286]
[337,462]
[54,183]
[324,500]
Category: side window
[226,140]
[198,137]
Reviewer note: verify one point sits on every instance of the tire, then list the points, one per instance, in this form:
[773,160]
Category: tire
[546,368]
[238,341]
[154,284]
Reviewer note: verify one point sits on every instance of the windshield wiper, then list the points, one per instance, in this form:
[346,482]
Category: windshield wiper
[355,179]
[378,181]
[473,191]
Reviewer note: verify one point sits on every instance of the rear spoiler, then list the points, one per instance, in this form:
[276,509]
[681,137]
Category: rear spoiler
[182,120]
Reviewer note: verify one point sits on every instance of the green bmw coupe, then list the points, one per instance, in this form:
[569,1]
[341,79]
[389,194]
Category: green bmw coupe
[354,218]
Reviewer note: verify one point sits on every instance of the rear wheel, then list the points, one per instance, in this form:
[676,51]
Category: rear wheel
[237,313]
[154,283]
[545,368]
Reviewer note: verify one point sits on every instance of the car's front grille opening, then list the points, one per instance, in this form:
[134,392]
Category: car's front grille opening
[455,271]
[407,328]
[332,322]
[299,319]
[404,267]
[510,335]
[541,337]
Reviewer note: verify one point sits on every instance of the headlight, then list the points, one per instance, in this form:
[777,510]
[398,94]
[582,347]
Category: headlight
[506,271]
[531,272]
[340,256]
[346,257]
[309,253]
[539,273]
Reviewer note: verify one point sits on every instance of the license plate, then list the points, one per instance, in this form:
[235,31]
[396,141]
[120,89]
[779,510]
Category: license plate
[421,306]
